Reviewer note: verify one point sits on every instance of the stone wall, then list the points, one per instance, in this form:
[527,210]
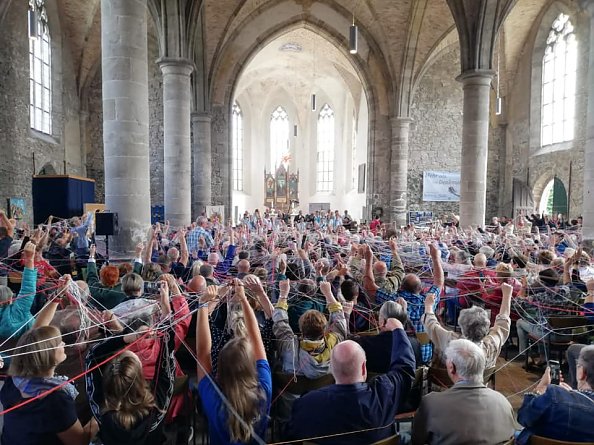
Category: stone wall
[24,152]
[436,134]
[531,162]
[95,129]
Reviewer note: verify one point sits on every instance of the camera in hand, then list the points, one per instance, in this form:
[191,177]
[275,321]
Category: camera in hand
[555,371]
[151,288]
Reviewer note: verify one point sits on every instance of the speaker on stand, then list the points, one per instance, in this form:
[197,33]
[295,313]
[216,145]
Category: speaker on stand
[106,224]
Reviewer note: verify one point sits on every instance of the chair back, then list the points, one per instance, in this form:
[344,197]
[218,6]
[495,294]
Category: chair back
[539,440]
[567,322]
[392,440]
[299,384]
[439,376]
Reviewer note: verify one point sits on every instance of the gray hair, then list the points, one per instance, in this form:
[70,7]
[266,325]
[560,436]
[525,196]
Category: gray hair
[202,220]
[474,323]
[5,294]
[132,283]
[468,358]
[487,251]
[586,361]
[391,309]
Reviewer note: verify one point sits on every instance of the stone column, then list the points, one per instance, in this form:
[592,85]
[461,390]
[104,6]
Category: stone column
[475,137]
[125,119]
[399,170]
[202,166]
[176,139]
[588,199]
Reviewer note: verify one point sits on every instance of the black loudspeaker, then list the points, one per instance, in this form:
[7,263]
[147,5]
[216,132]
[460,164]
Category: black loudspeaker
[106,224]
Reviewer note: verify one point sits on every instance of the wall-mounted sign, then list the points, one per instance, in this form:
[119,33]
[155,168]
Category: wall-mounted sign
[441,186]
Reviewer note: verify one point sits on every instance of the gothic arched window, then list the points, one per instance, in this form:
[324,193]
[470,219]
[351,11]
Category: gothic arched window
[237,146]
[559,66]
[325,158]
[40,69]
[279,136]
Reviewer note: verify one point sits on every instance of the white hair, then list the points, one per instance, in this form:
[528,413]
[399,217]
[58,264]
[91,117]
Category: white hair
[468,358]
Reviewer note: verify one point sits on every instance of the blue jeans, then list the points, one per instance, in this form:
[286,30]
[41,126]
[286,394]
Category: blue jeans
[525,328]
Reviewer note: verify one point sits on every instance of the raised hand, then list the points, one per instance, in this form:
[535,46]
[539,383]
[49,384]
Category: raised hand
[284,287]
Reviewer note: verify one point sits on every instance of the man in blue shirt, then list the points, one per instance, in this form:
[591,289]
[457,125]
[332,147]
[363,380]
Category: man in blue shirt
[81,228]
[356,405]
[199,232]
[558,412]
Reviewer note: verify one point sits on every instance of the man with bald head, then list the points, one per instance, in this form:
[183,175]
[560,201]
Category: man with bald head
[475,284]
[346,408]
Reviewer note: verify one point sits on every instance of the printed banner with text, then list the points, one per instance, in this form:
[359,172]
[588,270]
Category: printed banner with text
[441,186]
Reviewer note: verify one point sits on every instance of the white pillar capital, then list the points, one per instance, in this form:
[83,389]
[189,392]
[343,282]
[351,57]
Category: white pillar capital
[176,66]
[476,77]
[398,122]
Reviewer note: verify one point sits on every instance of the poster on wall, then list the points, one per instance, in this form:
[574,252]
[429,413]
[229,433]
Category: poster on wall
[441,186]
[157,214]
[218,211]
[420,218]
[16,208]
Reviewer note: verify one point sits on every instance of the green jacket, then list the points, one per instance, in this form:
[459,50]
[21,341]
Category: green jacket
[105,297]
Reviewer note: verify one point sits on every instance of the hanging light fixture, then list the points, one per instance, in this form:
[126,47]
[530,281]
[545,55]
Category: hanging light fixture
[295,130]
[313,102]
[32,16]
[353,37]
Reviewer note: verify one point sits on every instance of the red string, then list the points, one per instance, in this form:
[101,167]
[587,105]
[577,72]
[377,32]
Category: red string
[61,385]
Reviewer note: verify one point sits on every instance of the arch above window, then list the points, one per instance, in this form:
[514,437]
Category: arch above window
[40,69]
[559,75]
[279,136]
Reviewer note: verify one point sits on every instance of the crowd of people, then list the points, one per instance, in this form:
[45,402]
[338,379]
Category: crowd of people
[283,330]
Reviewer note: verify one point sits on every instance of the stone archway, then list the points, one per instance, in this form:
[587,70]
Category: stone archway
[241,47]
[47,170]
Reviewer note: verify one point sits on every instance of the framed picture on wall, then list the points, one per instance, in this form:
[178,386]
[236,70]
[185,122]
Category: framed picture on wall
[17,208]
[361,183]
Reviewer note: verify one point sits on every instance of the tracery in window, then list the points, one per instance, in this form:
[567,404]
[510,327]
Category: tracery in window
[279,136]
[559,68]
[40,69]
[325,154]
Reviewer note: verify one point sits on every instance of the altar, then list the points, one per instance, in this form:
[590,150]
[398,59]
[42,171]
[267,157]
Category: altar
[281,189]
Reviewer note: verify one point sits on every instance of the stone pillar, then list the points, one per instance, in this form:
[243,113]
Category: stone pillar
[202,166]
[126,119]
[588,199]
[176,139]
[475,137]
[399,170]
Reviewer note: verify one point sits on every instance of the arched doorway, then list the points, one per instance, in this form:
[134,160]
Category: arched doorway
[274,121]
[554,198]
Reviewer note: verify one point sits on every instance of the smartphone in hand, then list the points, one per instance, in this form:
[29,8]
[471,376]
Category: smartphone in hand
[555,372]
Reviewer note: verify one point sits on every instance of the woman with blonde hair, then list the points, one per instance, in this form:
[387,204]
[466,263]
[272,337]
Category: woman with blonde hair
[240,415]
[129,411]
[43,407]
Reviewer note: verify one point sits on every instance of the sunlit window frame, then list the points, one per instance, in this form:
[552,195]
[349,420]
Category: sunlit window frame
[279,136]
[325,150]
[237,146]
[559,78]
[40,73]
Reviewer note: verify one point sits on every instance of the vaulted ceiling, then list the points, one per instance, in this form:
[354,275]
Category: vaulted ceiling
[407,32]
